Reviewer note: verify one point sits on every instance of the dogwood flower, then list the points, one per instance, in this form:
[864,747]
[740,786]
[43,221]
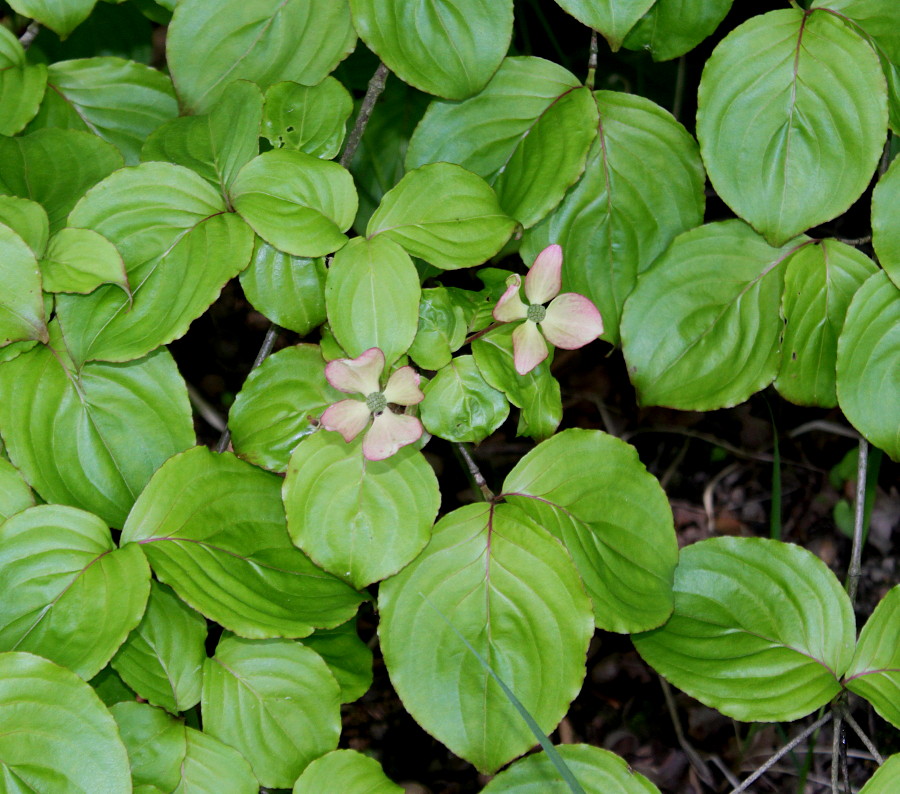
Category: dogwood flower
[569,322]
[362,375]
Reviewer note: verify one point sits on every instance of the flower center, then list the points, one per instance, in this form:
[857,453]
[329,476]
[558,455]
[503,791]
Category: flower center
[536,313]
[376,402]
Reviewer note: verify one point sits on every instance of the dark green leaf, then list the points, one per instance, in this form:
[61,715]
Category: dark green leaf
[441,331]
[673,27]
[347,656]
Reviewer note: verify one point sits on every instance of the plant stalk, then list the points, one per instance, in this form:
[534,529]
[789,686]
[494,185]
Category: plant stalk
[859,517]
[475,472]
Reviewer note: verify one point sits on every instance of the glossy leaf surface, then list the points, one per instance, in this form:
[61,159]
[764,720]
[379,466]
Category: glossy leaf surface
[277,407]
[886,222]
[57,735]
[61,18]
[868,363]
[362,520]
[264,41]
[44,407]
[357,772]
[80,260]
[311,119]
[347,656]
[701,329]
[761,89]
[886,779]
[372,296]
[213,529]
[28,219]
[68,593]
[673,27]
[441,330]
[507,586]
[162,658]
[22,86]
[762,630]
[642,185]
[445,47]
[21,303]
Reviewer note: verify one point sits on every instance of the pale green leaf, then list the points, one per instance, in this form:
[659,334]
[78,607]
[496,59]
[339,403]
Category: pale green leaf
[213,528]
[372,297]
[15,495]
[674,27]
[22,86]
[279,405]
[289,290]
[441,331]
[886,780]
[459,405]
[362,520]
[264,41]
[509,588]
[74,436]
[29,167]
[28,219]
[68,594]
[121,101]
[702,329]
[61,18]
[591,491]
[311,119]
[357,772]
[297,202]
[819,283]
[444,214]
[288,701]
[450,48]
[612,18]
[509,134]
[762,630]
[879,18]
[162,658]
[792,105]
[597,771]
[868,363]
[642,185]
[57,735]
[347,656]
[886,221]
[875,671]
[80,260]
[21,302]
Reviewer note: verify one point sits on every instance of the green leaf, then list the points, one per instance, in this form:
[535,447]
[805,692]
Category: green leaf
[591,491]
[288,699]
[459,404]
[512,591]
[297,202]
[878,18]
[886,779]
[162,657]
[164,752]
[21,302]
[121,101]
[311,119]
[213,529]
[347,656]
[107,408]
[762,630]
[441,330]
[289,290]
[673,27]
[28,219]
[536,393]
[15,495]
[444,214]
[875,670]
[179,247]
[443,47]
[372,296]
[57,735]
[509,135]
[216,145]
[362,520]
[29,167]
[868,363]
[357,772]
[886,221]
[61,18]
[110,688]
[22,85]
[598,771]
[611,18]
[278,404]
[819,282]
[642,185]
[792,104]
[68,594]
[702,329]
[264,41]
[80,260]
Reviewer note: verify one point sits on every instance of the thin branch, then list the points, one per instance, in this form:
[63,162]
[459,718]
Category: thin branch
[870,746]
[858,521]
[781,753]
[825,427]
[592,62]
[375,87]
[475,472]
[693,756]
[855,240]
[29,35]
[206,410]
[679,88]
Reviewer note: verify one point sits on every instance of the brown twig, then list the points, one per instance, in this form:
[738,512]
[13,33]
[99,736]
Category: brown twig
[474,472]
[29,35]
